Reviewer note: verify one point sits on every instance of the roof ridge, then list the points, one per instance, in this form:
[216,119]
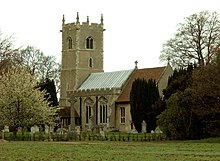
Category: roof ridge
[113,71]
[152,68]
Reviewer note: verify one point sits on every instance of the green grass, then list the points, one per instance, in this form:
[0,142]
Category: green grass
[111,150]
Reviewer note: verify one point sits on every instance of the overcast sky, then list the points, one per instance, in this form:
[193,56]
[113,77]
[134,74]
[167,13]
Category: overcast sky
[135,29]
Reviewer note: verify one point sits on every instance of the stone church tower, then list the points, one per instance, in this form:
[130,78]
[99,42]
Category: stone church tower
[82,54]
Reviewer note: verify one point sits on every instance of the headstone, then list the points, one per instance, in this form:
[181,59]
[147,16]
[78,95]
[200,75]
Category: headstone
[133,131]
[34,129]
[102,133]
[143,124]
[157,130]
[47,129]
[61,131]
[6,129]
[78,130]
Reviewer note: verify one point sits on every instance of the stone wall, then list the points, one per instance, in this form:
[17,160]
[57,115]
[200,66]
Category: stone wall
[75,67]
[96,98]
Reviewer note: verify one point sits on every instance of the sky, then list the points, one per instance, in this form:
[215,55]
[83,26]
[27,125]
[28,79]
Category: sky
[135,29]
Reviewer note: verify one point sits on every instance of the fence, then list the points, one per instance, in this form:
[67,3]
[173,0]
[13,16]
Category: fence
[83,136]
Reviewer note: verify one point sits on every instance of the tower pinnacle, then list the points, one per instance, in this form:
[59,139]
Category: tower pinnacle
[88,19]
[63,19]
[77,17]
[102,19]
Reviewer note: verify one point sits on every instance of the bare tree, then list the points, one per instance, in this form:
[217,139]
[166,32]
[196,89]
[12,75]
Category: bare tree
[7,51]
[43,67]
[194,42]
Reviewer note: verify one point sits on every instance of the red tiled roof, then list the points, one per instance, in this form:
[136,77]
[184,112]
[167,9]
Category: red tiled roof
[147,73]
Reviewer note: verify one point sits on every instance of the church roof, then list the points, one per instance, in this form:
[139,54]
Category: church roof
[106,80]
[147,73]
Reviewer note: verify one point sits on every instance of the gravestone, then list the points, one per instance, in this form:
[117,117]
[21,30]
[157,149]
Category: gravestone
[134,131]
[6,129]
[102,133]
[48,129]
[158,131]
[143,124]
[78,130]
[34,129]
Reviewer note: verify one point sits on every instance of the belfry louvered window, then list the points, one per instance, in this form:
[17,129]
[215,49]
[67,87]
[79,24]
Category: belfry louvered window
[89,43]
[70,43]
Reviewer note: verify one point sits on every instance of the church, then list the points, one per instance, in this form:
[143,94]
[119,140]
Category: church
[89,97]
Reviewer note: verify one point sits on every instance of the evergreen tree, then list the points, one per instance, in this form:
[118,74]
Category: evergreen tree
[179,120]
[137,112]
[179,81]
[152,96]
[143,97]
[50,91]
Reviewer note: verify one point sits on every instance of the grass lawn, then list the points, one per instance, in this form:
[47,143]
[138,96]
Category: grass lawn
[111,150]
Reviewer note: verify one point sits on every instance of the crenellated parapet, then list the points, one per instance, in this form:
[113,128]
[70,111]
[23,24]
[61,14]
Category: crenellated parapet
[94,92]
[78,25]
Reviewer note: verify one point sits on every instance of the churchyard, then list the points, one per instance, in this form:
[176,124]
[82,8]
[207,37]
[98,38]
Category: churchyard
[83,136]
[208,149]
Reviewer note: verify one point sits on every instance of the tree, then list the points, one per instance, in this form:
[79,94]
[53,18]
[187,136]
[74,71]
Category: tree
[138,102]
[21,104]
[50,89]
[43,67]
[143,96]
[194,42]
[7,51]
[179,81]
[152,96]
[207,86]
[179,120]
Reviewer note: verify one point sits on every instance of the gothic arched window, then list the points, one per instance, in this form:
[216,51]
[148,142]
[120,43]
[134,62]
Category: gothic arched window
[88,113]
[70,43]
[89,43]
[103,110]
[88,104]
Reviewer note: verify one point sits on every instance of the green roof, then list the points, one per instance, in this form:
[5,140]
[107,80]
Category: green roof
[106,80]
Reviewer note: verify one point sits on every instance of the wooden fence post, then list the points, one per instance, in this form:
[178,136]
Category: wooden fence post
[3,135]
